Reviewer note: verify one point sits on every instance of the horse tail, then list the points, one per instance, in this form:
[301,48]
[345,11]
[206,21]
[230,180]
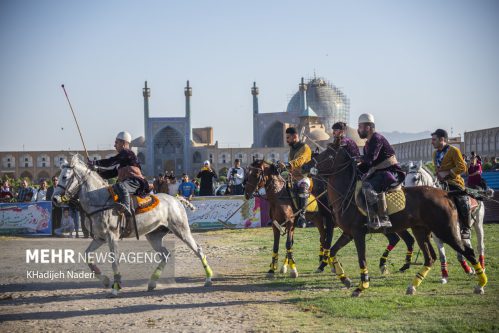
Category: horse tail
[186,203]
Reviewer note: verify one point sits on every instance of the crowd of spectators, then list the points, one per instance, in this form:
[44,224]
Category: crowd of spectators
[43,191]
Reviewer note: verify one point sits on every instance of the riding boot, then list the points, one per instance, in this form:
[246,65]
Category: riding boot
[384,221]
[463,210]
[302,204]
[123,204]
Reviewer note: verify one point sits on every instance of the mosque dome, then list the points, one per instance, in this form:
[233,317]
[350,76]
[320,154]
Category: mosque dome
[352,134]
[318,135]
[138,142]
[329,103]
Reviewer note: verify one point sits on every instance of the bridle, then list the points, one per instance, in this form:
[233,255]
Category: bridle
[346,198]
[69,192]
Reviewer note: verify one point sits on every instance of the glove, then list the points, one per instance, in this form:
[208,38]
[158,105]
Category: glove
[91,165]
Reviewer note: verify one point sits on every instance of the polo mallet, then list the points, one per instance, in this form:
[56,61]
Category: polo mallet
[227,225]
[77,125]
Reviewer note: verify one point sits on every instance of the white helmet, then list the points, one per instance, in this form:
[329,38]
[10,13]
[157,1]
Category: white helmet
[366,118]
[125,136]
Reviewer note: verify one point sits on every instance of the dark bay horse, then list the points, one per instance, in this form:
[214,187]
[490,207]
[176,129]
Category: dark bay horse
[263,174]
[427,210]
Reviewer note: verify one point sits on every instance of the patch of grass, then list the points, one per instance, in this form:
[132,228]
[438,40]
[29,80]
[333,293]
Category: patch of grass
[322,300]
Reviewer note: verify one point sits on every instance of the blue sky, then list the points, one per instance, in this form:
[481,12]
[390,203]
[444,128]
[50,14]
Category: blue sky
[416,65]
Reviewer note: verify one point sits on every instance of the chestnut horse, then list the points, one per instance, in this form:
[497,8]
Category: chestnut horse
[263,174]
[427,210]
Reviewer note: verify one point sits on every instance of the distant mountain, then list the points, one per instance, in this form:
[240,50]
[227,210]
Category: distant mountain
[398,137]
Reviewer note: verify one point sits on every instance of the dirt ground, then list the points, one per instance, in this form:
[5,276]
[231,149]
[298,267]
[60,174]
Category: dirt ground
[235,302]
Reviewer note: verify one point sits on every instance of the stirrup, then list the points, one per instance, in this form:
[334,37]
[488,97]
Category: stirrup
[122,209]
[377,223]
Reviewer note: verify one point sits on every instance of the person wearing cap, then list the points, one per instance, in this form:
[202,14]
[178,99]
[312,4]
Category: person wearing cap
[299,154]
[206,176]
[381,171]
[449,165]
[126,166]
[340,140]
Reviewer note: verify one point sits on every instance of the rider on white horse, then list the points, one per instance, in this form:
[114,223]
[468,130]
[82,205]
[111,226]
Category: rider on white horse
[126,167]
[381,171]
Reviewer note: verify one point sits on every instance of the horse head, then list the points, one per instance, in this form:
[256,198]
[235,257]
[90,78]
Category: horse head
[257,175]
[418,175]
[330,161]
[70,180]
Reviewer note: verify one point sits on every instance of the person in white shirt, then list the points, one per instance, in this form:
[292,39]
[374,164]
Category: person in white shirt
[41,193]
[67,224]
[235,176]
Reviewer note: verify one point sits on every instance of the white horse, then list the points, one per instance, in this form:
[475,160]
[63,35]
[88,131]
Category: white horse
[78,181]
[419,175]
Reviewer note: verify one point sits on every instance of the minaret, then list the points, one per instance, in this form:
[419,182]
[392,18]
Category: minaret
[188,94]
[303,96]
[188,135]
[256,136]
[146,92]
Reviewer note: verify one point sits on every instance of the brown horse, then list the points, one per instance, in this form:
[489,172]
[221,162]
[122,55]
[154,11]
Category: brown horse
[262,174]
[427,210]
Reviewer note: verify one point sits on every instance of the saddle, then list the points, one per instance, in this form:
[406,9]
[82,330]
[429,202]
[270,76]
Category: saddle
[312,206]
[138,204]
[474,204]
[395,199]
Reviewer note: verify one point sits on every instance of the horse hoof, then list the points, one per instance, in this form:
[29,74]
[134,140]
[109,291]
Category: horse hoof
[405,267]
[208,282]
[284,269]
[471,272]
[346,282]
[333,270]
[319,270]
[114,293]
[356,292]
[105,281]
[270,275]
[443,280]
[479,290]
[383,269]
[293,273]
[411,290]
[151,286]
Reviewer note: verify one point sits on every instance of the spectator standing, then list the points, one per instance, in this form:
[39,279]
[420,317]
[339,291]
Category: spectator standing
[67,224]
[475,173]
[25,193]
[157,183]
[41,193]
[56,211]
[6,194]
[235,175]
[206,176]
[186,188]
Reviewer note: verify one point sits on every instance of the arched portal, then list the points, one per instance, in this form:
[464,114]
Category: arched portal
[274,135]
[168,151]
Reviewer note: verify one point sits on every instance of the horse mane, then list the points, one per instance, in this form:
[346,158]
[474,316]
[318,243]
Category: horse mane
[78,161]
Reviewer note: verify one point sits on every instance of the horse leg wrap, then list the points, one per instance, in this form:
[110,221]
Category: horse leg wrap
[207,268]
[443,267]
[325,257]
[321,253]
[384,257]
[338,268]
[157,272]
[482,277]
[420,276]
[364,279]
[408,257]
[275,259]
[481,259]
[117,282]
[291,260]
[465,266]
